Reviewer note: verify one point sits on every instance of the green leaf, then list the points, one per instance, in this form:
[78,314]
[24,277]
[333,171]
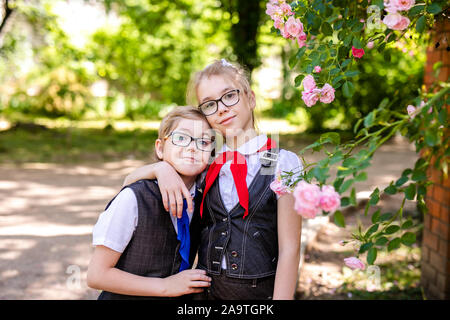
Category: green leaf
[410,191]
[431,138]
[327,30]
[434,8]
[419,175]
[372,256]
[345,63]
[351,73]
[345,201]
[381,241]
[353,197]
[407,224]
[420,24]
[346,185]
[361,177]
[392,229]
[374,197]
[339,219]
[385,216]
[391,189]
[369,119]
[364,247]
[394,244]
[408,238]
[298,80]
[332,137]
[372,230]
[356,43]
[348,89]
[401,181]
[375,216]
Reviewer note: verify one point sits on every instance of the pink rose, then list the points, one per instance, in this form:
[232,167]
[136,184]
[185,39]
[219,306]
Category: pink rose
[330,200]
[354,263]
[327,94]
[271,10]
[294,27]
[308,83]
[287,10]
[411,111]
[278,187]
[357,53]
[317,69]
[307,199]
[278,23]
[310,98]
[399,5]
[301,40]
[396,21]
[370,45]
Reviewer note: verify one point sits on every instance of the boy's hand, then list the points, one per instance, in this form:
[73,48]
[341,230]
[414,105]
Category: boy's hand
[172,189]
[186,282]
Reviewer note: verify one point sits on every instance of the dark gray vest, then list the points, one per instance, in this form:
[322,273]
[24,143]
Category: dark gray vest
[153,251]
[250,245]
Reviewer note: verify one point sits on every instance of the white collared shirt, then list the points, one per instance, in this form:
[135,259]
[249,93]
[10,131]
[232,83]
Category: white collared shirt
[116,225]
[287,161]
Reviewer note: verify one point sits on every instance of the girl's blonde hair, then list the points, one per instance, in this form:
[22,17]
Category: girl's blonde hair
[170,121]
[233,71]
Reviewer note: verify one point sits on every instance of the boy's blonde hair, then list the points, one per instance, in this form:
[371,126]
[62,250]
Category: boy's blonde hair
[170,121]
[234,71]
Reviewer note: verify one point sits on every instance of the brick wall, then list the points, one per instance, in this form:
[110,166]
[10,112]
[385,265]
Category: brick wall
[435,277]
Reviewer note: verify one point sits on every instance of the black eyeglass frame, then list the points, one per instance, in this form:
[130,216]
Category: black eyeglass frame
[191,138]
[217,102]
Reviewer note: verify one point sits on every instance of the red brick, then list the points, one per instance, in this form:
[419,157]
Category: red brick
[442,195]
[444,248]
[439,228]
[430,190]
[441,282]
[430,239]
[425,254]
[428,274]
[433,208]
[427,221]
[438,262]
[444,214]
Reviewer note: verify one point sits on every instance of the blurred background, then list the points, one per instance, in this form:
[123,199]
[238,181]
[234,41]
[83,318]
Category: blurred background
[84,84]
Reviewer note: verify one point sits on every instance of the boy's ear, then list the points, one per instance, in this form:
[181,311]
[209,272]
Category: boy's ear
[159,148]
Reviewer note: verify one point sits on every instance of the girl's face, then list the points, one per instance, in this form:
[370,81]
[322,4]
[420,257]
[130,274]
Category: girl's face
[229,121]
[188,160]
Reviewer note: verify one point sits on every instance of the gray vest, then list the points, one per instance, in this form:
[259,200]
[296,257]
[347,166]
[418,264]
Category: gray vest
[153,251]
[250,244]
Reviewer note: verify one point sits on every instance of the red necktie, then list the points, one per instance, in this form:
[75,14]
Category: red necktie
[238,168]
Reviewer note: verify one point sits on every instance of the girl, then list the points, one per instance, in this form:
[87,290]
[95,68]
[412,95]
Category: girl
[140,249]
[250,244]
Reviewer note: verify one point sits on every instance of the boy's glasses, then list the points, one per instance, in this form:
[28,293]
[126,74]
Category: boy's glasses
[228,99]
[183,140]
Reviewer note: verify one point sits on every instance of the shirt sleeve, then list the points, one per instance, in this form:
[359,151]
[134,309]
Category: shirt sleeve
[289,162]
[116,225]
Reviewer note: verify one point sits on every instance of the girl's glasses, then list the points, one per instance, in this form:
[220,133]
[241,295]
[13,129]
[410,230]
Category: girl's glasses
[183,140]
[228,99]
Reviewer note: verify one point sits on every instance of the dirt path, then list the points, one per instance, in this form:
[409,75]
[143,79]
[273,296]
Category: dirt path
[47,213]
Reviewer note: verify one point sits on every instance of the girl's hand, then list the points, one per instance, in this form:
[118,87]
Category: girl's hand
[172,189]
[186,282]
[170,184]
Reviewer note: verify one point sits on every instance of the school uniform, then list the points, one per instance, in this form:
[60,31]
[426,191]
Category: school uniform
[136,224]
[238,247]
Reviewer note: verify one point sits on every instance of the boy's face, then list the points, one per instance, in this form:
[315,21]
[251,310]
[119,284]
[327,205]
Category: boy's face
[229,121]
[186,160]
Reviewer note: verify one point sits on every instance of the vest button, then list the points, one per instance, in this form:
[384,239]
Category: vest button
[234,266]
[224,219]
[224,233]
[234,254]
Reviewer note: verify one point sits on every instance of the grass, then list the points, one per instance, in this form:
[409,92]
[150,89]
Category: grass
[58,142]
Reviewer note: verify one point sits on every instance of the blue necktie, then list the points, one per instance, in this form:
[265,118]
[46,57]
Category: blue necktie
[184,237]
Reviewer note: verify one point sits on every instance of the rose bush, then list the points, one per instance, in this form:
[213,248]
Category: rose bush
[331,36]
